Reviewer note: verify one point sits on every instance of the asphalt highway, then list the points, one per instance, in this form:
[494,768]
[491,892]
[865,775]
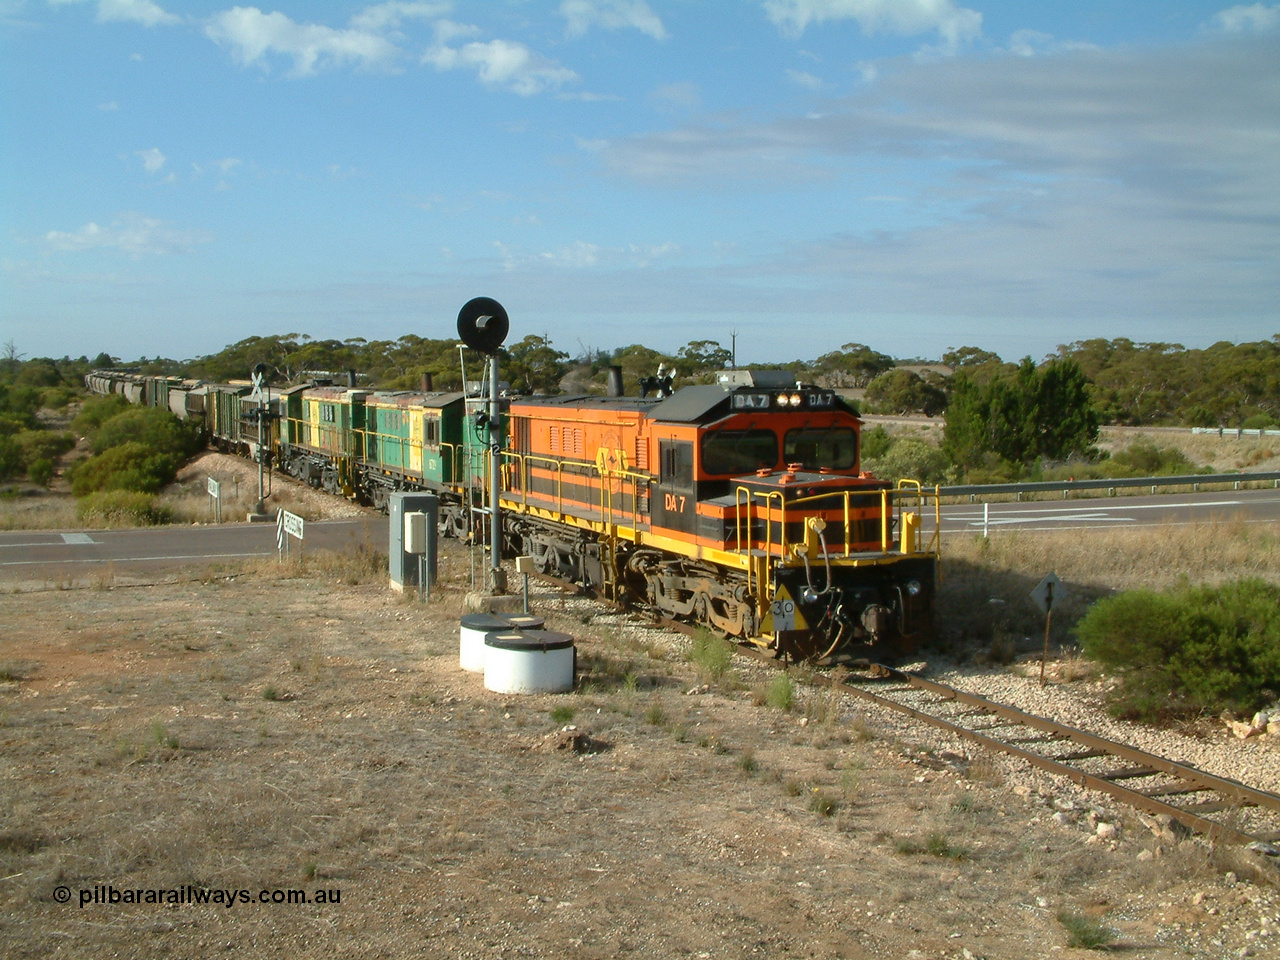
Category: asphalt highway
[69,556]
[1249,506]
[41,555]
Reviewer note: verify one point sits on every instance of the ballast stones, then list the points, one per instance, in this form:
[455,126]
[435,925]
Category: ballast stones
[476,625]
[529,661]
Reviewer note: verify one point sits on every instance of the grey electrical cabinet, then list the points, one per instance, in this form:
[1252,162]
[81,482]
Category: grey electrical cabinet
[403,564]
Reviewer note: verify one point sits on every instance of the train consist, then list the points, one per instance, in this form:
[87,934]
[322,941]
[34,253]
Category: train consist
[740,505]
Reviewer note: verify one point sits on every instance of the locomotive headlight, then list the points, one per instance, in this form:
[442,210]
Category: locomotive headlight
[788,399]
[913,587]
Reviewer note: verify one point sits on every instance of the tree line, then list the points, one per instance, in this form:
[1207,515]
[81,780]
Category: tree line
[1003,420]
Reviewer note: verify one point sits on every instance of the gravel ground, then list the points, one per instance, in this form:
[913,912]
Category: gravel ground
[300,731]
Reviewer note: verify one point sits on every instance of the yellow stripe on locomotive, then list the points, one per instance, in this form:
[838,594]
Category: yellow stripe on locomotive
[714,502]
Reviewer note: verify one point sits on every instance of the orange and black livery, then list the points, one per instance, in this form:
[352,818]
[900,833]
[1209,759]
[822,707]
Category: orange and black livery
[739,504]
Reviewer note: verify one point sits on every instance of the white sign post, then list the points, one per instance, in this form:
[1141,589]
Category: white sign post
[215,491]
[287,525]
[1046,592]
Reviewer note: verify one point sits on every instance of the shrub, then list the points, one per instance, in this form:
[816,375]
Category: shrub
[1084,932]
[119,508]
[150,426]
[823,803]
[130,466]
[1195,649]
[1142,458]
[875,443]
[910,457]
[41,471]
[562,713]
[10,457]
[43,444]
[710,654]
[97,411]
[781,692]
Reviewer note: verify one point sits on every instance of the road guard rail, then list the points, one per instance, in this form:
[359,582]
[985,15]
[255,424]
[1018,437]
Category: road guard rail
[1194,481]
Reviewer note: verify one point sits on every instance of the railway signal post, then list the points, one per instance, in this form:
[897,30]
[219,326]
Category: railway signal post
[261,393]
[483,326]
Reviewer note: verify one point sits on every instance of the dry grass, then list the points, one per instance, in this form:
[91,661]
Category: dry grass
[984,600]
[1221,454]
[44,512]
[143,749]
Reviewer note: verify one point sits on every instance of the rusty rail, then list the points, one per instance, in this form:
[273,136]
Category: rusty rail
[1183,780]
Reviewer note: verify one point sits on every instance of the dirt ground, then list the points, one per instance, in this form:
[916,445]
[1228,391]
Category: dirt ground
[280,729]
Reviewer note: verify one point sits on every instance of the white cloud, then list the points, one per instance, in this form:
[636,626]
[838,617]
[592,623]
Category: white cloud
[583,256]
[145,12]
[954,25]
[1133,183]
[109,107]
[389,16]
[152,159]
[1257,17]
[676,97]
[132,234]
[498,63]
[804,79]
[582,15]
[253,35]
[1027,43]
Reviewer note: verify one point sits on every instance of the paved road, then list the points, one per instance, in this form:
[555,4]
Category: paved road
[1251,506]
[57,557]
[39,555]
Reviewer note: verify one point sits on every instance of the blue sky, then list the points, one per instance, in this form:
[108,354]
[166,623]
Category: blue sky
[910,174]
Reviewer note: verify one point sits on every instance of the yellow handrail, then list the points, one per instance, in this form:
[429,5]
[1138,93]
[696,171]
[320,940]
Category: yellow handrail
[750,504]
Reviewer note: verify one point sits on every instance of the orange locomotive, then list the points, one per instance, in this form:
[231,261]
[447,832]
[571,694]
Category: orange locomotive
[739,505]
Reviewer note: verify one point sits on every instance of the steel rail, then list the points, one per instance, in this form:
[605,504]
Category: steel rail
[1192,779]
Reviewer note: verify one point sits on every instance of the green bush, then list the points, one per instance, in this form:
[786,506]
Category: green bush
[1259,421]
[130,466]
[40,471]
[43,444]
[1192,650]
[710,654]
[97,411]
[152,427]
[781,692]
[1085,932]
[910,457]
[875,443]
[121,508]
[56,398]
[10,457]
[1142,458]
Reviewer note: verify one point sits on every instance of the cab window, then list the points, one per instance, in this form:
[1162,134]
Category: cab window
[833,447]
[739,451]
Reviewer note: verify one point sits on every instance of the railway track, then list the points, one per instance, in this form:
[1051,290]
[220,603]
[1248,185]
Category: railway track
[1219,808]
[1216,807]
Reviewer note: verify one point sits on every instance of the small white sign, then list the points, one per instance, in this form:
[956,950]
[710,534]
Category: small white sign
[215,488]
[292,524]
[1048,592]
[783,610]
